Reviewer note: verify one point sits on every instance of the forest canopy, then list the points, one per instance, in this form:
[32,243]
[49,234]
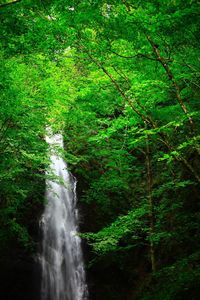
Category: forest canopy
[121,81]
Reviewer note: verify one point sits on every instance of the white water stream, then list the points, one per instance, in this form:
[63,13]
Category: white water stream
[63,275]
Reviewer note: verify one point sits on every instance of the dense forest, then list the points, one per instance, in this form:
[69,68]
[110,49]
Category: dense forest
[121,80]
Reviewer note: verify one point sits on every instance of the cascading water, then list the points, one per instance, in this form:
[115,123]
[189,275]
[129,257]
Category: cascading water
[63,275]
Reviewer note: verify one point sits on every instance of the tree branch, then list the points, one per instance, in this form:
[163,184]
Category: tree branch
[171,77]
[134,56]
[9,3]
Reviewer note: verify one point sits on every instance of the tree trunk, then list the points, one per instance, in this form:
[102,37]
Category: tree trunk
[171,77]
[151,204]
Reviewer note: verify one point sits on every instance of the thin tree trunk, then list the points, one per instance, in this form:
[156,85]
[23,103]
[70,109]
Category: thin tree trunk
[121,92]
[151,204]
[171,77]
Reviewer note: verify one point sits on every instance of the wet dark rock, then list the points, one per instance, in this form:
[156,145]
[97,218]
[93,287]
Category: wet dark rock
[19,277]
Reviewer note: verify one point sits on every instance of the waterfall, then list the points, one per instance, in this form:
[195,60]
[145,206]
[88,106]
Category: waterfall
[63,275]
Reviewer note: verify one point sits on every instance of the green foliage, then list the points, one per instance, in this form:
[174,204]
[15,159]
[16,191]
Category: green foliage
[121,81]
[177,281]
[130,226]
